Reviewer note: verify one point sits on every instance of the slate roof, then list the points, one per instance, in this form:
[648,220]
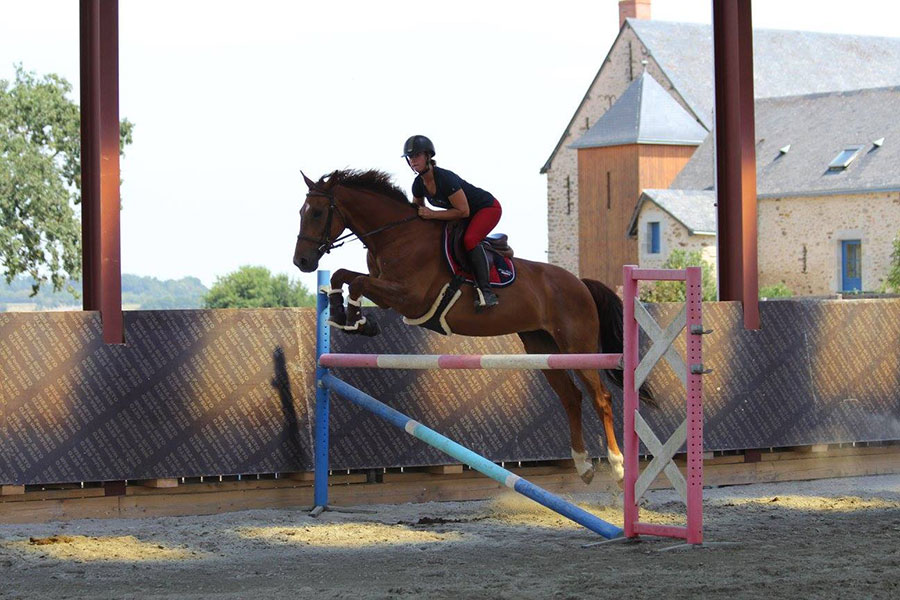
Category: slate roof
[695,209]
[817,127]
[644,114]
[785,63]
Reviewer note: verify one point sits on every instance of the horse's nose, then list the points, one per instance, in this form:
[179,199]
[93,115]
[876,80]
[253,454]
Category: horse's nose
[305,264]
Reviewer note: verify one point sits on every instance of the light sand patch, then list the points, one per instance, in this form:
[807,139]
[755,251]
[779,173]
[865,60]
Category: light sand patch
[79,548]
[817,503]
[347,535]
[515,509]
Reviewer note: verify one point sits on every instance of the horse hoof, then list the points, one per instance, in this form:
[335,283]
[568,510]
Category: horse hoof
[617,467]
[370,329]
[587,476]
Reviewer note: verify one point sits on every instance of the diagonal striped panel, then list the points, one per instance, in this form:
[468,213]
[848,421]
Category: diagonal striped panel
[226,392]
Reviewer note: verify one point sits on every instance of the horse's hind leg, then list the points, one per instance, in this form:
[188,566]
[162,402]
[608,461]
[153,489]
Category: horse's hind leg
[578,338]
[539,342]
[602,401]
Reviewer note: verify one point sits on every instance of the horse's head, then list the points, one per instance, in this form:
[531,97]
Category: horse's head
[321,222]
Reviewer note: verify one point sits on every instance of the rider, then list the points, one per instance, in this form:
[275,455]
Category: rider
[460,200]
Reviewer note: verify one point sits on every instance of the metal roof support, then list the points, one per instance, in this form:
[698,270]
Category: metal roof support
[99,24]
[736,156]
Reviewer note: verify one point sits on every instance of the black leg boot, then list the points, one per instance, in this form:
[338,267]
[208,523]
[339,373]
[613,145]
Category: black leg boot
[484,295]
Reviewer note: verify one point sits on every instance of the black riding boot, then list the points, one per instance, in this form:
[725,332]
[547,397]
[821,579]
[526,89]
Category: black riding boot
[484,295]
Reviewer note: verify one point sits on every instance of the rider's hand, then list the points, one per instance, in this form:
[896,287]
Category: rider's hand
[425,212]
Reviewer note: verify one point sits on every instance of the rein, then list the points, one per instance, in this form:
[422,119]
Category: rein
[326,245]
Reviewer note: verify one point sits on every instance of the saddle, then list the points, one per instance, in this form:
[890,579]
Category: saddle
[503,271]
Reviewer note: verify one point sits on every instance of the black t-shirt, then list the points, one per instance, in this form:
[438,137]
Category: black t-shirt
[447,183]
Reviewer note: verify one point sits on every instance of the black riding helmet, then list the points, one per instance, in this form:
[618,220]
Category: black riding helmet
[416,144]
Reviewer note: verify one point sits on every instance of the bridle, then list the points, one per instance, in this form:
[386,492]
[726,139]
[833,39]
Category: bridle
[325,243]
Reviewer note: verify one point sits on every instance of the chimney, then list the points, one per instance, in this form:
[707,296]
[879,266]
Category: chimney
[633,9]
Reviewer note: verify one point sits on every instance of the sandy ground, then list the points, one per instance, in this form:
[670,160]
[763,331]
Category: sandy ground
[822,539]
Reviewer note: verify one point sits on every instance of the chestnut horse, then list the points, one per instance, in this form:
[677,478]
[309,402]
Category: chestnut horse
[551,310]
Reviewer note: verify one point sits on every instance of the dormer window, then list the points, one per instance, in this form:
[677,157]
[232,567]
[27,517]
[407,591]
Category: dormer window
[843,160]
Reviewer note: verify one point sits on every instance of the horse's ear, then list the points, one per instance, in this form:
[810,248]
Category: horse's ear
[328,180]
[309,182]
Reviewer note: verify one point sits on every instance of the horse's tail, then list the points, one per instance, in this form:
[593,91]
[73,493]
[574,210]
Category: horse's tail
[609,311]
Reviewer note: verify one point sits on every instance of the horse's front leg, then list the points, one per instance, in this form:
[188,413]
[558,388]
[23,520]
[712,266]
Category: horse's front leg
[381,292]
[337,315]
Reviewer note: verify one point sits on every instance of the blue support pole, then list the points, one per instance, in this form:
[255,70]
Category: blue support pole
[323,346]
[466,456]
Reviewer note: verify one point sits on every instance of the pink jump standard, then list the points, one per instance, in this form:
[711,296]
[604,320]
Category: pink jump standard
[635,428]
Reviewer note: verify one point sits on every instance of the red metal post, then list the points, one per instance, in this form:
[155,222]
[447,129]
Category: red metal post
[736,156]
[89,14]
[100,164]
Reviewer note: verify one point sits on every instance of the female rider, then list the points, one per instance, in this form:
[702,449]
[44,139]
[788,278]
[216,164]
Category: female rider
[460,200]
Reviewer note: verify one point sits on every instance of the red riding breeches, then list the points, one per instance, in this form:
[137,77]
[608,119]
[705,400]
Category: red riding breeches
[481,224]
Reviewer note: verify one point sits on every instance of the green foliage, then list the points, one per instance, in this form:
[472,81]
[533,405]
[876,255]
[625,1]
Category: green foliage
[779,290]
[256,287]
[893,277]
[40,179]
[673,291]
[145,293]
[149,293]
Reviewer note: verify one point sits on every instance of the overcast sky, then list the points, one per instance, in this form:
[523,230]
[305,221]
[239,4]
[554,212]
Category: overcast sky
[231,99]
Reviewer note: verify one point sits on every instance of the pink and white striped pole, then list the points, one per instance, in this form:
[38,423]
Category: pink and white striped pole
[473,361]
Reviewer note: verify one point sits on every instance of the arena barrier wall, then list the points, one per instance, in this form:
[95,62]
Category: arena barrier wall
[227,392]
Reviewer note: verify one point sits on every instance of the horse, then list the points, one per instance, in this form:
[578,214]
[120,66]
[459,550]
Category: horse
[550,309]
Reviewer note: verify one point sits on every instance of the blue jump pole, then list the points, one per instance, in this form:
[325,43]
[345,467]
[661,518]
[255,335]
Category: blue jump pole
[464,455]
[323,346]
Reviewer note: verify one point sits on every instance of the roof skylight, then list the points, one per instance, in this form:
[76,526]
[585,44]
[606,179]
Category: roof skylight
[844,158]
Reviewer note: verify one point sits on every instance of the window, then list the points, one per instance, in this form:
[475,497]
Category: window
[653,237]
[844,158]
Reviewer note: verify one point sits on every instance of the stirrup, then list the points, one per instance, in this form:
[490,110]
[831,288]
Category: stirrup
[485,298]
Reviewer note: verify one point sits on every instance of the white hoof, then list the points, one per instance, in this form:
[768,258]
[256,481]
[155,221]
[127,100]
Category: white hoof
[617,465]
[583,466]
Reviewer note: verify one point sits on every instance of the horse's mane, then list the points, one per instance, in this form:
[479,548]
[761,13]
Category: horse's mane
[372,180]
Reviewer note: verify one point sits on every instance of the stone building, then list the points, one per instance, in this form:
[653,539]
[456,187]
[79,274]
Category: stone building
[643,141]
[679,57]
[667,220]
[828,193]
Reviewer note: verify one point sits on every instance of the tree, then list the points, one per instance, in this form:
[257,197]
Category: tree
[893,277]
[40,179]
[673,291]
[256,287]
